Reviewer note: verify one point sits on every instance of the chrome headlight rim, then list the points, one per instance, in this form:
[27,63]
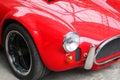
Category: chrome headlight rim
[68,36]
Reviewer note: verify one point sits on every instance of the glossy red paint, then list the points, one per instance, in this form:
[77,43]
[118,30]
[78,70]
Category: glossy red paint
[48,22]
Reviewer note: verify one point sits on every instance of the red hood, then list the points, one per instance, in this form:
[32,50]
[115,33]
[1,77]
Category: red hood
[92,19]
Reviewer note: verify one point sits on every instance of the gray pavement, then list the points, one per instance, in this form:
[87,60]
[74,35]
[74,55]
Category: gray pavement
[109,73]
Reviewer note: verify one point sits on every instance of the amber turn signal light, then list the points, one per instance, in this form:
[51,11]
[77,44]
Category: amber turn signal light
[69,59]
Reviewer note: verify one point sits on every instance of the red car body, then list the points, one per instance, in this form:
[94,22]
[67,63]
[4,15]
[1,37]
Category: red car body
[96,21]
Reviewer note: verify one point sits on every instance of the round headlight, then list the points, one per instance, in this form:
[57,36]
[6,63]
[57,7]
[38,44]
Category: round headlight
[71,41]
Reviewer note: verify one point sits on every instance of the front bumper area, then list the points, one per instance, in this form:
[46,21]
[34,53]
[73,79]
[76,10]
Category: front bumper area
[104,55]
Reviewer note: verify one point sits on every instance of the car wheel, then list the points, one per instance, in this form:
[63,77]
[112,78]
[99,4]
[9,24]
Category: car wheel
[22,53]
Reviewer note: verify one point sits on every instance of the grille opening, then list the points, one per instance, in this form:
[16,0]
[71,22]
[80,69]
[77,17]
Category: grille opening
[110,48]
[108,51]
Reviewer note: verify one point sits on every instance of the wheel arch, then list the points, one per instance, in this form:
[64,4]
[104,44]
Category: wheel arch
[32,30]
[5,24]
[9,21]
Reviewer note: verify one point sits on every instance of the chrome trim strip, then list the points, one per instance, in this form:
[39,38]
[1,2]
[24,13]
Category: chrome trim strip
[101,46]
[107,61]
[90,59]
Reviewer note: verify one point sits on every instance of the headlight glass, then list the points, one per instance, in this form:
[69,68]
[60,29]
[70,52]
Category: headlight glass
[71,41]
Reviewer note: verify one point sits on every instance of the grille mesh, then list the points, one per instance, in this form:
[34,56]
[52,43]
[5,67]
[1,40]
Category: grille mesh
[108,49]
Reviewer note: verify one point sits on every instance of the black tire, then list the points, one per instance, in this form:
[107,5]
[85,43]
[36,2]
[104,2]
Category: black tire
[22,54]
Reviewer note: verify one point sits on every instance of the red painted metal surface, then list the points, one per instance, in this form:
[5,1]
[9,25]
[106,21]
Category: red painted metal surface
[48,22]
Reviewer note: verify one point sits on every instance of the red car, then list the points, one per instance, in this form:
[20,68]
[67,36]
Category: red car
[57,35]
